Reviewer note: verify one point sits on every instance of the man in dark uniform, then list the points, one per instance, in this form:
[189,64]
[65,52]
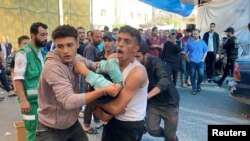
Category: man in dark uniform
[231,50]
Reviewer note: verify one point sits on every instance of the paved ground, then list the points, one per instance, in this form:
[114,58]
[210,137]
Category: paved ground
[211,106]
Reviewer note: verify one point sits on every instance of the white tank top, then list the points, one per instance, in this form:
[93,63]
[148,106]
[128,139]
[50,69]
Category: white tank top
[136,108]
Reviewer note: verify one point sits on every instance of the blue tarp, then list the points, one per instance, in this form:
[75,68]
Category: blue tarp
[174,6]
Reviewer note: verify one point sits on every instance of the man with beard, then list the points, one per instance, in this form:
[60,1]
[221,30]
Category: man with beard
[231,49]
[29,62]
[91,49]
[196,51]
[163,97]
[126,113]
[90,53]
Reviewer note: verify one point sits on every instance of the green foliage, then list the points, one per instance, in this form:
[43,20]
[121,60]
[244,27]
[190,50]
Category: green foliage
[117,25]
[176,23]
[167,19]
[162,19]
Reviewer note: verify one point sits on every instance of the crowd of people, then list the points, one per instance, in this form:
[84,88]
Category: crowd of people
[189,54]
[125,78]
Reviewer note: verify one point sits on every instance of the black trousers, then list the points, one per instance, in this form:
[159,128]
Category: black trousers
[210,64]
[172,69]
[88,112]
[73,133]
[220,64]
[117,130]
[229,69]
[3,79]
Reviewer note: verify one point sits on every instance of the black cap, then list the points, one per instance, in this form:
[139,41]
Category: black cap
[230,29]
[173,31]
[109,35]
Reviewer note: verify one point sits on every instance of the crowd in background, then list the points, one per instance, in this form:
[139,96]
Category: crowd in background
[166,54]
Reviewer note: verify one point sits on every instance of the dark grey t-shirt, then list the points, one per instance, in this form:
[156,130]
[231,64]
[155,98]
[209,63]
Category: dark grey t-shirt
[91,52]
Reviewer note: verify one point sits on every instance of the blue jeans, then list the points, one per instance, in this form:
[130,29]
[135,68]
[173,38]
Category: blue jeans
[199,68]
[184,69]
[4,79]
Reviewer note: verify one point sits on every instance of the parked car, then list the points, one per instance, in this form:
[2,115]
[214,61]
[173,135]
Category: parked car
[239,87]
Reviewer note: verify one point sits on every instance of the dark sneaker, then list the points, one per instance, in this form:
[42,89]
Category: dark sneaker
[198,89]
[194,92]
[218,83]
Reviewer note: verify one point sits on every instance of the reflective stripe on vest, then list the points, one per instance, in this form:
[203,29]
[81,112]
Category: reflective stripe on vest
[29,117]
[32,92]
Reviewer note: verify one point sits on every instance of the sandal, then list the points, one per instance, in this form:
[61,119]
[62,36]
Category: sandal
[11,93]
[91,131]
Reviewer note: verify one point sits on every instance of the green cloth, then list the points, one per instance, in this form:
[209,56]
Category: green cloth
[33,69]
[30,125]
[111,67]
[96,80]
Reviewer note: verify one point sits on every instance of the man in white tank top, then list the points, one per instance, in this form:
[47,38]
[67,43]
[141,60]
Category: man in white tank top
[125,114]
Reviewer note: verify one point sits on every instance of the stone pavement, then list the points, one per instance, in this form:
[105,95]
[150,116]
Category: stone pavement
[211,106]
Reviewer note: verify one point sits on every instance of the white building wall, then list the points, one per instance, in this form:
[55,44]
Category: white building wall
[103,13]
[131,12]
